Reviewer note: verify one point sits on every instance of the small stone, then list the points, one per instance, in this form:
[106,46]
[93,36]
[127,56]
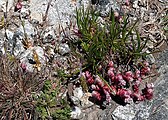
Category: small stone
[36,16]
[75,100]
[78,92]
[135,4]
[64,49]
[76,113]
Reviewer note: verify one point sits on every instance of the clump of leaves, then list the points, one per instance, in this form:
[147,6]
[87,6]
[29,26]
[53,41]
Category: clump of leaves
[49,105]
[110,39]
[16,87]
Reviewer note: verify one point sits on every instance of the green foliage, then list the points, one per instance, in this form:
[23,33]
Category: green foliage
[47,103]
[100,40]
[63,113]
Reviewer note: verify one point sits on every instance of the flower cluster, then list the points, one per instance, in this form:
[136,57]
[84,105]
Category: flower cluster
[124,85]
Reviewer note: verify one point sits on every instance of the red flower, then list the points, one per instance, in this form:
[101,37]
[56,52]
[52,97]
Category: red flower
[145,71]
[99,81]
[135,88]
[96,95]
[87,74]
[124,94]
[148,91]
[118,77]
[122,82]
[145,63]
[95,87]
[137,74]
[110,72]
[108,97]
[90,80]
[137,97]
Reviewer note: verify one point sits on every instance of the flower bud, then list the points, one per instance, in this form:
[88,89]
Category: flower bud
[129,73]
[96,95]
[110,64]
[23,66]
[18,6]
[135,88]
[87,74]
[110,72]
[108,97]
[145,63]
[90,80]
[118,77]
[99,81]
[122,82]
[137,74]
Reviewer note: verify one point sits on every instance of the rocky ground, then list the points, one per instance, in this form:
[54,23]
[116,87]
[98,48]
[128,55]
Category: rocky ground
[46,25]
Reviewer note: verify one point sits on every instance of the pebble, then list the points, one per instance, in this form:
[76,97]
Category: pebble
[78,92]
[76,113]
[64,49]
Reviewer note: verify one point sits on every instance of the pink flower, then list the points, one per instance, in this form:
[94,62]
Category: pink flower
[137,97]
[83,75]
[150,85]
[122,83]
[105,87]
[87,74]
[145,70]
[108,97]
[116,14]
[100,68]
[110,72]
[148,91]
[137,83]
[90,80]
[124,94]
[23,66]
[77,32]
[18,6]
[145,63]
[135,88]
[95,87]
[129,73]
[118,77]
[96,95]
[128,76]
[110,64]
[137,74]
[113,89]
[127,3]
[99,81]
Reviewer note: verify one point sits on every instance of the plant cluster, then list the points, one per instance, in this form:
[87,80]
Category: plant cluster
[116,40]
[16,87]
[26,95]
[103,38]
[122,86]
[49,105]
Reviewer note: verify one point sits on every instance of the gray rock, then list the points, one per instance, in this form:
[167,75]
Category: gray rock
[27,58]
[75,100]
[64,49]
[76,113]
[3,5]
[155,109]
